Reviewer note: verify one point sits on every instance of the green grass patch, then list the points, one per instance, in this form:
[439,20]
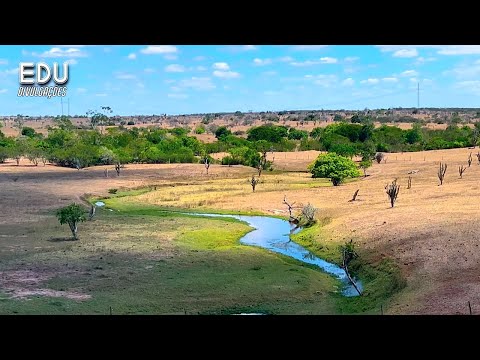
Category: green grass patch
[380,278]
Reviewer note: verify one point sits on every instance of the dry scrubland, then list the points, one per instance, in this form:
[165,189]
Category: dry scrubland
[432,231]
[42,126]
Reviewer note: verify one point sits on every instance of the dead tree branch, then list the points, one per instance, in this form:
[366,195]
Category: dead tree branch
[354,195]
[442,169]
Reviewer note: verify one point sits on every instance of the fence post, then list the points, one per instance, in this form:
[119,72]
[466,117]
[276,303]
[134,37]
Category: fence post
[110,310]
[470,308]
[381,309]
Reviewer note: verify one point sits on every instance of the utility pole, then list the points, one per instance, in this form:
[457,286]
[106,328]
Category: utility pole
[61,101]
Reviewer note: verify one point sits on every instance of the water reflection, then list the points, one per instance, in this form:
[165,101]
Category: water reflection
[274,234]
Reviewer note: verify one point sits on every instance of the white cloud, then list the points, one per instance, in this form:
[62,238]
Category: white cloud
[107,49]
[3,91]
[72,46]
[328,60]
[465,71]
[261,62]
[421,60]
[269,73]
[286,59]
[13,71]
[149,70]
[170,57]
[440,49]
[174,68]
[197,83]
[322,79]
[409,73]
[413,80]
[470,86]
[323,60]
[199,58]
[406,53]
[304,63]
[351,59]
[71,62]
[201,68]
[226,74]
[241,48]
[58,52]
[348,82]
[159,49]
[371,81]
[390,79]
[459,50]
[308,47]
[177,96]
[3,62]
[81,90]
[132,56]
[125,76]
[221,66]
[101,94]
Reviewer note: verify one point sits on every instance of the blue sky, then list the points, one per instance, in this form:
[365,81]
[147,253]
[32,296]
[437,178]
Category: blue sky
[156,79]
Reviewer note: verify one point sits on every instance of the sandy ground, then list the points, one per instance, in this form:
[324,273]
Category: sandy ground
[432,231]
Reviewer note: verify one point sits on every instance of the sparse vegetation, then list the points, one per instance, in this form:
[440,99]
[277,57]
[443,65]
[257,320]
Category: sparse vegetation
[442,169]
[392,191]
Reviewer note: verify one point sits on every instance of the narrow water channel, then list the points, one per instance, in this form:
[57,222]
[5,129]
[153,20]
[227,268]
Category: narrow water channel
[274,234]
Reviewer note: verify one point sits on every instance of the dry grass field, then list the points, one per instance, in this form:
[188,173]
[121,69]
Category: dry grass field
[431,233]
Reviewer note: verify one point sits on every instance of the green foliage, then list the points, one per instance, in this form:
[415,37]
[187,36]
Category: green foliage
[71,215]
[271,133]
[222,132]
[28,132]
[333,166]
[112,191]
[294,134]
[200,129]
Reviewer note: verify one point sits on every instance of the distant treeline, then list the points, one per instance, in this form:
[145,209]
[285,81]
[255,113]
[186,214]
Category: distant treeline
[71,147]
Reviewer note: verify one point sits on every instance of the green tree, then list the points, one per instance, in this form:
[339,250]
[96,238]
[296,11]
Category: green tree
[333,166]
[365,164]
[28,131]
[222,132]
[72,215]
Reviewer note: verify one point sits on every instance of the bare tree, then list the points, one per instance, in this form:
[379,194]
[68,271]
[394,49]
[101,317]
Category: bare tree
[254,182]
[392,191]
[308,214]
[469,160]
[354,196]
[461,170]
[409,183]
[442,169]
[117,168]
[91,213]
[379,157]
[206,163]
[290,209]
[478,157]
[348,254]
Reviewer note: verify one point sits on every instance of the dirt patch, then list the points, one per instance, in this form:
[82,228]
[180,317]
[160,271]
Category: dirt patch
[21,284]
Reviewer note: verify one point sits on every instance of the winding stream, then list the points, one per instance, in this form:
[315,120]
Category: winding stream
[274,234]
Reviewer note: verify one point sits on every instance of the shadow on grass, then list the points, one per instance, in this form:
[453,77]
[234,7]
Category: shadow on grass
[61,239]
